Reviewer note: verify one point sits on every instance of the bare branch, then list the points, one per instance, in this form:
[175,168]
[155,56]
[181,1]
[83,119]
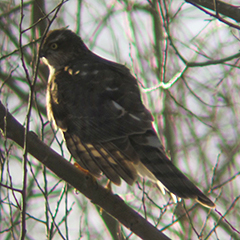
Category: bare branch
[223,8]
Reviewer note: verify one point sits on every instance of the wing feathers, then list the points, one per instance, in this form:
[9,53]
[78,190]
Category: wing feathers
[122,166]
[82,155]
[98,158]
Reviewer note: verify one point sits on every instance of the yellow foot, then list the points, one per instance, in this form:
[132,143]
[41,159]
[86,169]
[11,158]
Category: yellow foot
[81,169]
[88,174]
[109,186]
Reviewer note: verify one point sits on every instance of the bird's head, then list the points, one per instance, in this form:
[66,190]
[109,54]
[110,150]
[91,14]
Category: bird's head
[60,47]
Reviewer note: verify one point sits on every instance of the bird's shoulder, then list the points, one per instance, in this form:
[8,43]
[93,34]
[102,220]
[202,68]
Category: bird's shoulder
[90,65]
[91,74]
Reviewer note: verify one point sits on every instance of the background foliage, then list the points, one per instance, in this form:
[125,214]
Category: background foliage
[186,58]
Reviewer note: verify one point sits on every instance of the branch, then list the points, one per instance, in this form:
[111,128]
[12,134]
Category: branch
[223,8]
[83,182]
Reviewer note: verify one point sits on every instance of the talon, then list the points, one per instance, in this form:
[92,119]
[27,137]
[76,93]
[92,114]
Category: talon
[81,169]
[109,186]
[89,175]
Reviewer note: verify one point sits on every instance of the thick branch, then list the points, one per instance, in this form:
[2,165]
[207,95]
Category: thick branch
[223,8]
[83,182]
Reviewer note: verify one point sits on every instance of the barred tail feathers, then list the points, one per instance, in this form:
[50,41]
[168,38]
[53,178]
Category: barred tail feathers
[153,157]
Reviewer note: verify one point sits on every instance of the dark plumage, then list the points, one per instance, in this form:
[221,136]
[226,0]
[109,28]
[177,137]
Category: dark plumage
[97,105]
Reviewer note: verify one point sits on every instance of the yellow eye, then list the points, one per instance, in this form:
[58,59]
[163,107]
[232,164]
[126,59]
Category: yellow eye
[54,46]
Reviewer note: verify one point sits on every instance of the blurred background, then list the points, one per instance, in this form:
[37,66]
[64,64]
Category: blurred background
[187,61]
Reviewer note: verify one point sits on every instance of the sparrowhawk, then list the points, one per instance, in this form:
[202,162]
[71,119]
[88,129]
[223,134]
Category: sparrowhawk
[97,105]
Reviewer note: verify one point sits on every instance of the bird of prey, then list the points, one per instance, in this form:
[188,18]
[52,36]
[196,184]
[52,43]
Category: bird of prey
[97,105]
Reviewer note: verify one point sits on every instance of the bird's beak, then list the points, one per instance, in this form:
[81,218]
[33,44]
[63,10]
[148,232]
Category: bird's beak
[42,55]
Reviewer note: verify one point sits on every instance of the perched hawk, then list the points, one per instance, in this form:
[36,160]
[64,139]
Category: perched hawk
[97,105]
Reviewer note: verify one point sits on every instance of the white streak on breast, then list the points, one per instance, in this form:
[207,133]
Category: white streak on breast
[51,69]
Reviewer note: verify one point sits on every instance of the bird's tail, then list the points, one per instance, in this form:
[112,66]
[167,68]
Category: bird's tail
[153,157]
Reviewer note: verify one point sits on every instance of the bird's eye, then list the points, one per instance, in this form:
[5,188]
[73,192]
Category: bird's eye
[54,46]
